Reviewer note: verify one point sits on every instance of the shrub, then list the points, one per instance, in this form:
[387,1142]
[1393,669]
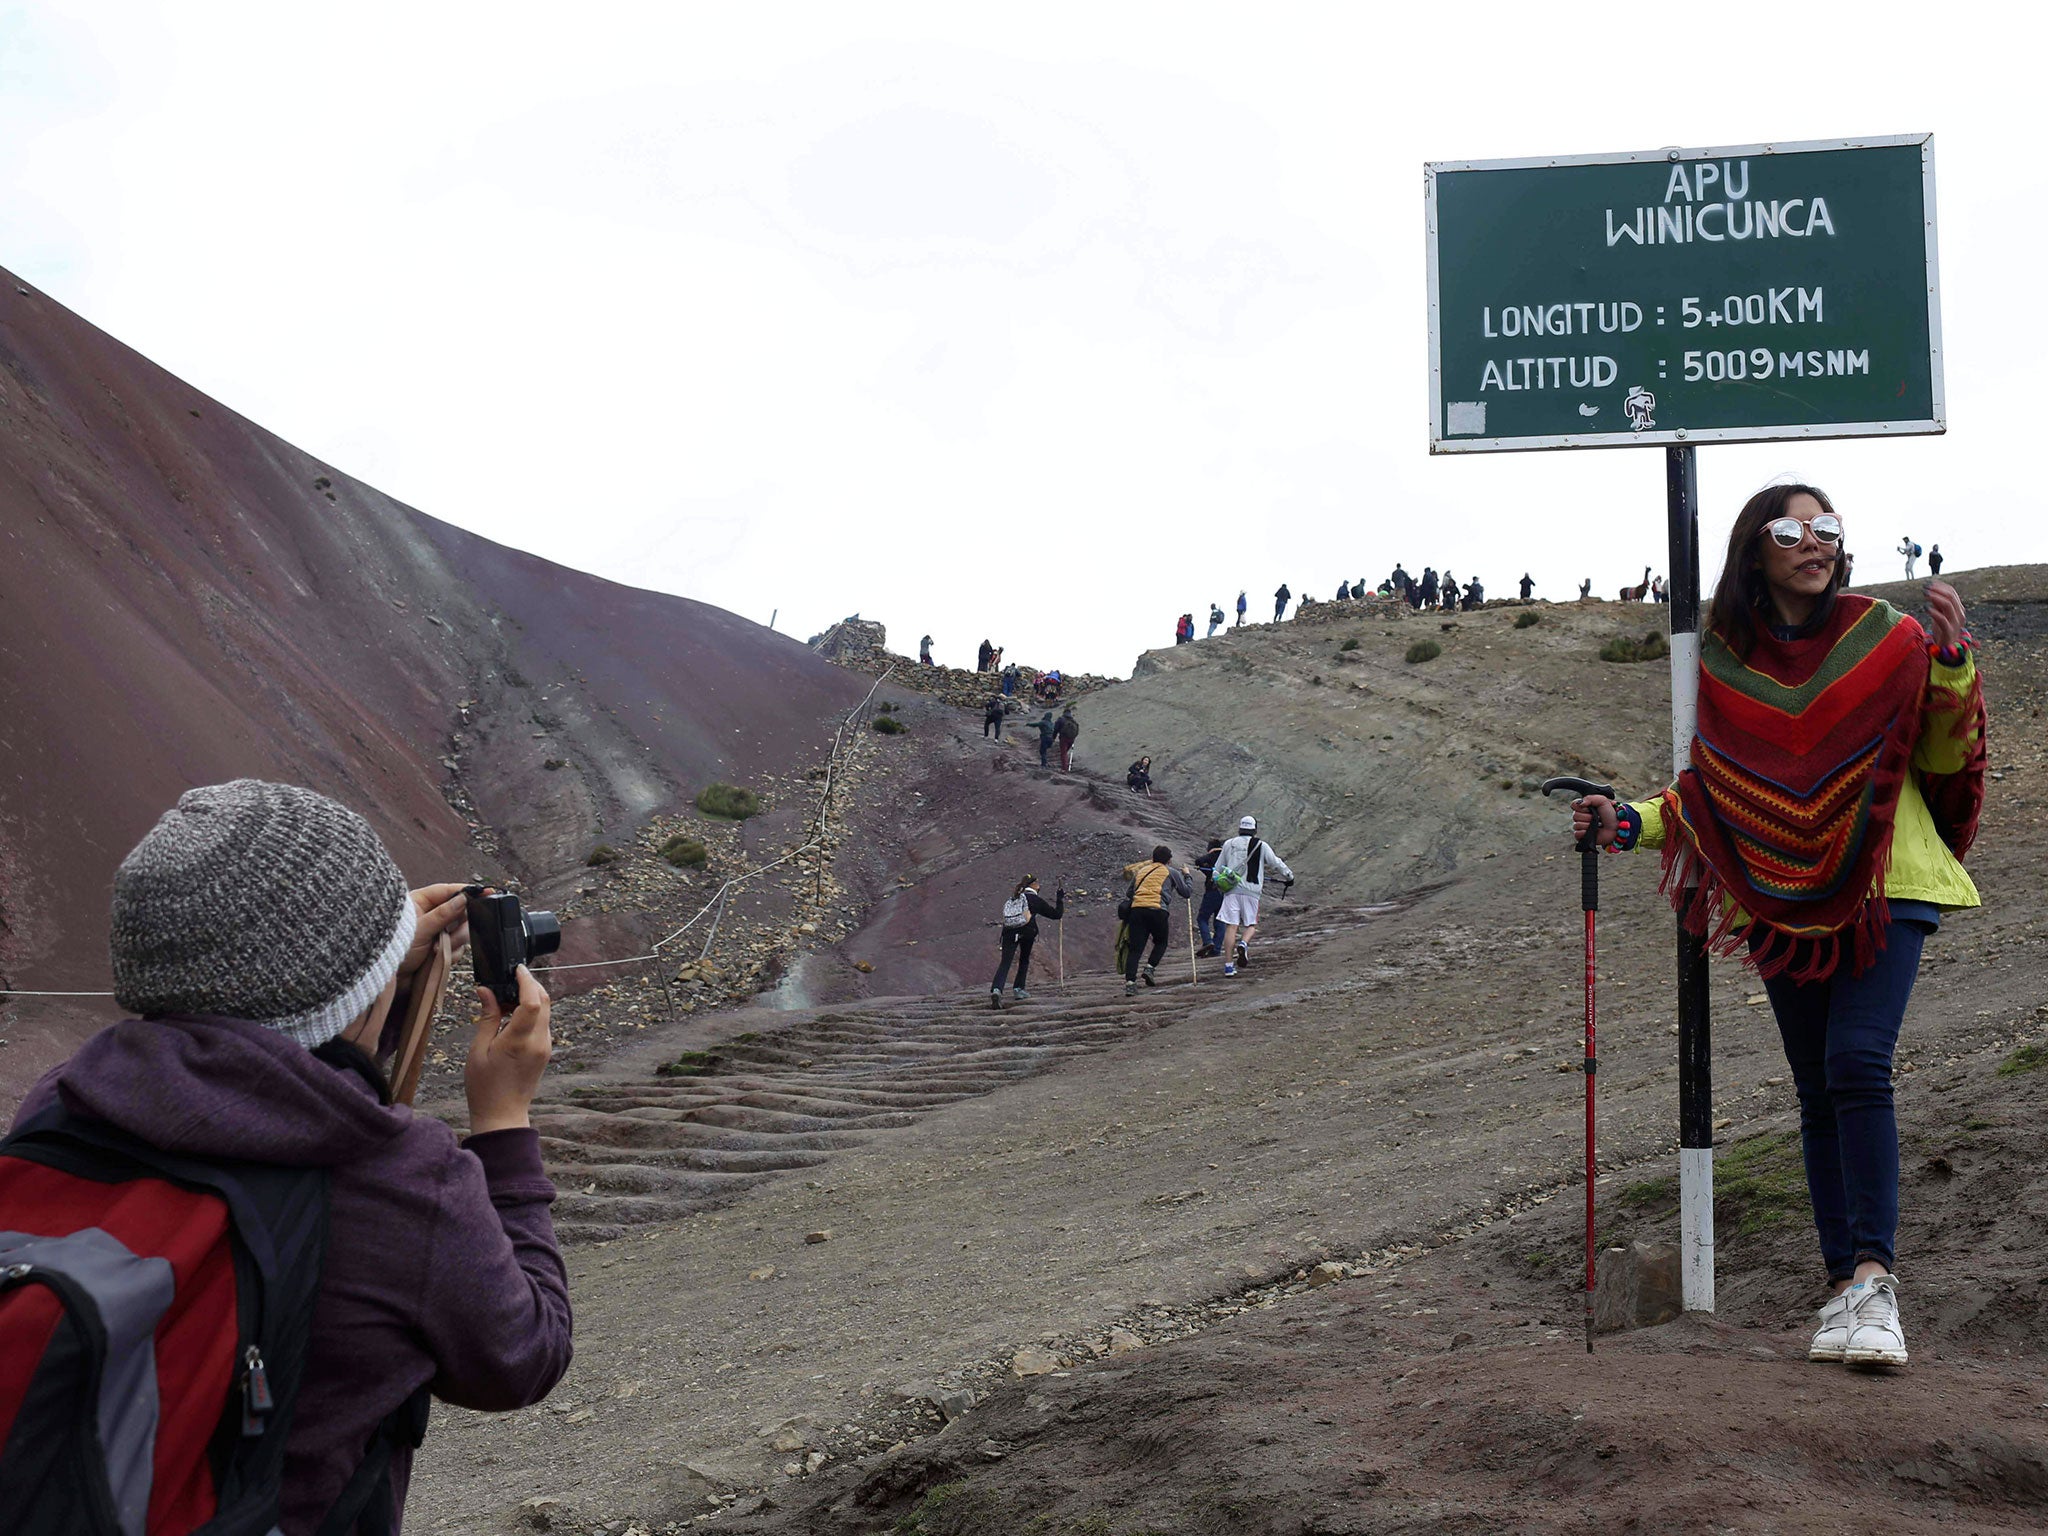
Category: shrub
[603,853]
[1649,648]
[889,725]
[1349,645]
[728,801]
[1527,617]
[685,852]
[885,709]
[689,1064]
[1424,650]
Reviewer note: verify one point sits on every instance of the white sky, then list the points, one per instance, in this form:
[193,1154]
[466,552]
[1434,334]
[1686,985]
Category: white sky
[1044,323]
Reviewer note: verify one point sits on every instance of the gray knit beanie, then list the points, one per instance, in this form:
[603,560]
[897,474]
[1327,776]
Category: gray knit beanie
[263,902]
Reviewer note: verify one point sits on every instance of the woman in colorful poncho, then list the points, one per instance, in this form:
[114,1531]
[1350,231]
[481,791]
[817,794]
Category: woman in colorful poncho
[1833,790]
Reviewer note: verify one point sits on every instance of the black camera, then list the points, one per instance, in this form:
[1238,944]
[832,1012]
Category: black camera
[502,938]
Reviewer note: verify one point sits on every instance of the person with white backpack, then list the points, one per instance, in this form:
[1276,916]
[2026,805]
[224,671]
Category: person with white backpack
[1241,870]
[1020,931]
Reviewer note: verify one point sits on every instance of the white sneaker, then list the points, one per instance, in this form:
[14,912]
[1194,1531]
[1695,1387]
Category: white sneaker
[1833,1336]
[1875,1335]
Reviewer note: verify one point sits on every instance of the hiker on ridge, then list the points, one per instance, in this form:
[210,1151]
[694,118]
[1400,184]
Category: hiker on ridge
[1154,882]
[1215,621]
[1045,737]
[261,936]
[1426,590]
[1281,599]
[992,718]
[1241,605]
[1020,931]
[1241,870]
[1911,551]
[1798,681]
[1343,591]
[1934,559]
[982,655]
[1009,680]
[1066,729]
[924,651]
[1528,585]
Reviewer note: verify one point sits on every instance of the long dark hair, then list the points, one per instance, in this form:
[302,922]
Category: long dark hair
[1741,590]
[1023,885]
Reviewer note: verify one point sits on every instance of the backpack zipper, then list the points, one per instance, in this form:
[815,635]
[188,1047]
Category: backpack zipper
[256,1398]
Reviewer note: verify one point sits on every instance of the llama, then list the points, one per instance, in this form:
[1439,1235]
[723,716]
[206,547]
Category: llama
[1635,594]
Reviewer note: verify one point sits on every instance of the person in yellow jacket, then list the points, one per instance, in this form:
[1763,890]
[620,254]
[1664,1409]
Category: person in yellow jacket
[1153,883]
[1834,786]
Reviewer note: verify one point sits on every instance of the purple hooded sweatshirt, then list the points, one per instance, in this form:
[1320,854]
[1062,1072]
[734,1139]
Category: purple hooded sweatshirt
[441,1264]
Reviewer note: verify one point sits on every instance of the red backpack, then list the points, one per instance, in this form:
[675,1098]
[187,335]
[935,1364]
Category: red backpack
[155,1311]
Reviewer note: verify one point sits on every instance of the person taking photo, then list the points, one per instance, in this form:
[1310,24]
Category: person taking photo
[260,935]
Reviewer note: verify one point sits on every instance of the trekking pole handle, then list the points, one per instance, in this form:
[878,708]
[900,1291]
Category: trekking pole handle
[1589,850]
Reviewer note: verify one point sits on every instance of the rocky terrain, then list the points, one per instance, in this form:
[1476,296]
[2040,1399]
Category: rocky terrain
[1300,1252]
[862,645]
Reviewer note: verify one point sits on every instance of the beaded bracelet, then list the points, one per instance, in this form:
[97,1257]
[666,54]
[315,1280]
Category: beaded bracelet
[1628,826]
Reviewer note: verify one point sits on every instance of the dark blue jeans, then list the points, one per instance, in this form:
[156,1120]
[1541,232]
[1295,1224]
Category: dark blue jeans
[1839,1036]
[1205,918]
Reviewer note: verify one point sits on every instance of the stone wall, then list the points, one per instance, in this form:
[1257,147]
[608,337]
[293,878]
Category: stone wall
[861,645]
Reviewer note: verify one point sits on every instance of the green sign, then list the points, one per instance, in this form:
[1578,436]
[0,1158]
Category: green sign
[1684,296]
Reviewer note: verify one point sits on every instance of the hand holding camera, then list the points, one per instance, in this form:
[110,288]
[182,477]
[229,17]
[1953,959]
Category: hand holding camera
[509,1050]
[507,1057]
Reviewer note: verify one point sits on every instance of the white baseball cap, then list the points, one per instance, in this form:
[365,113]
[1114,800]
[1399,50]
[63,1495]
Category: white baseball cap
[1247,824]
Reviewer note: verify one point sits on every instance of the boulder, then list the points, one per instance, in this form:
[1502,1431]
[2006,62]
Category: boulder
[1637,1287]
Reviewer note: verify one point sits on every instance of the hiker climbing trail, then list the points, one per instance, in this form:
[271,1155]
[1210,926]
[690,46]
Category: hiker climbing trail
[637,1148]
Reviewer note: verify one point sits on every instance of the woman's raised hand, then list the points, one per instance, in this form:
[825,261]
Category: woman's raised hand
[1944,614]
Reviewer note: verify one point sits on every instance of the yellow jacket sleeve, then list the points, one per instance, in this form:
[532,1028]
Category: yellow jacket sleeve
[1948,722]
[1652,812]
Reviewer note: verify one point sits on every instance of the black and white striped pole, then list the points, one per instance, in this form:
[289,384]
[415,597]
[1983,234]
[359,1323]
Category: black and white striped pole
[1695,1044]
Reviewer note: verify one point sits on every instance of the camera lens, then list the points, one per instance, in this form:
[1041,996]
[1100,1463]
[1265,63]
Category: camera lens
[543,934]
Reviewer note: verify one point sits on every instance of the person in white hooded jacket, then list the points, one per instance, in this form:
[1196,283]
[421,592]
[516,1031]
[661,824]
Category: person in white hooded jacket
[1250,860]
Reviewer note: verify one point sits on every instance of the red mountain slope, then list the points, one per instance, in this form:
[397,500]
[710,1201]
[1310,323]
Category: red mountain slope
[186,598]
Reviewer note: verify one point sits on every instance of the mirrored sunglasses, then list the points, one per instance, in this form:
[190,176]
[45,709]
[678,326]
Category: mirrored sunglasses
[1788,531]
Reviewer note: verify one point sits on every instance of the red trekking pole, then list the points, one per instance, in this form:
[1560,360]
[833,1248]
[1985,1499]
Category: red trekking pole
[1589,896]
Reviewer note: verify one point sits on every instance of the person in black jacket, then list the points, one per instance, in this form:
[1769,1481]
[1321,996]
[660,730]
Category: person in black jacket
[1528,585]
[1425,590]
[1139,777]
[1281,599]
[1018,937]
[992,717]
[1212,902]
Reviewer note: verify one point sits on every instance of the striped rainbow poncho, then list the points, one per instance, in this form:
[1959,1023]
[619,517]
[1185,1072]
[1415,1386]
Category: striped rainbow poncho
[1786,812]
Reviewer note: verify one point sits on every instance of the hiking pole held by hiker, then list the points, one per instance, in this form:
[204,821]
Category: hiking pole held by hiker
[1589,898]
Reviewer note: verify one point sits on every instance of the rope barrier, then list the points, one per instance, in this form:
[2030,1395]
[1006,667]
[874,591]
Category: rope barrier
[717,900]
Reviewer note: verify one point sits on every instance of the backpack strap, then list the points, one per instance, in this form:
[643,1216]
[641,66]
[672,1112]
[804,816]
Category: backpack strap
[365,1506]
